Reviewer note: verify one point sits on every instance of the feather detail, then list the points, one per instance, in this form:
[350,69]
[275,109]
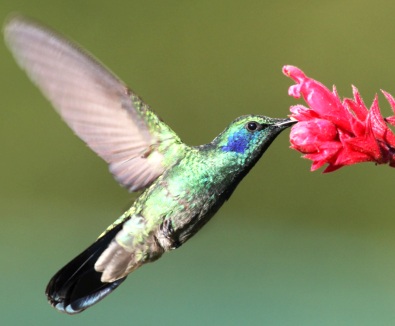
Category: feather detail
[78,285]
[97,106]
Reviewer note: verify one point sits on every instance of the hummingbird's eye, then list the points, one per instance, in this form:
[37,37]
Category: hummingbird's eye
[253,126]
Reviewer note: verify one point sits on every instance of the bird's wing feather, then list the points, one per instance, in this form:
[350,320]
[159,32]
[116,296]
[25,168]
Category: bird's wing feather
[97,106]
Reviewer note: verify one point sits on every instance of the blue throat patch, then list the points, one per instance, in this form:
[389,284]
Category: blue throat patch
[238,142]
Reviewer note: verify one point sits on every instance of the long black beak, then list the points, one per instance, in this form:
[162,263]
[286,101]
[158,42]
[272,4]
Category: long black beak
[285,123]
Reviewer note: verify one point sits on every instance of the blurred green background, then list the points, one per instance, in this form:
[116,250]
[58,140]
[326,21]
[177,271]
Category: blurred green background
[291,247]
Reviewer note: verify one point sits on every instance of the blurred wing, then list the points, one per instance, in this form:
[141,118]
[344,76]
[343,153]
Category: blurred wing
[96,105]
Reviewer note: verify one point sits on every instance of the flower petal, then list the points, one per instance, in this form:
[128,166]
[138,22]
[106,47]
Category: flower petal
[309,136]
[301,113]
[338,133]
[318,97]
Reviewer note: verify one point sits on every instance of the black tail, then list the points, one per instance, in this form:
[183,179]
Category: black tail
[77,285]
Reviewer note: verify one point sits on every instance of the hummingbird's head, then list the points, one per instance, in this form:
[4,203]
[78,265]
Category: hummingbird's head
[249,136]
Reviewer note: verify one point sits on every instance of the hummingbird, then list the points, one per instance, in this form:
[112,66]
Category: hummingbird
[181,187]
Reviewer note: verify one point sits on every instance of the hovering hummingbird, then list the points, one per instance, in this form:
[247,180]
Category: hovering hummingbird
[182,186]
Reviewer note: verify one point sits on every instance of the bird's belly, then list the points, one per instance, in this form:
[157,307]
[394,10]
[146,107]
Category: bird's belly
[184,219]
[180,202]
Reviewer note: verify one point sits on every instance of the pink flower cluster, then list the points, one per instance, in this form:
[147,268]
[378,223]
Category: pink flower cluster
[338,132]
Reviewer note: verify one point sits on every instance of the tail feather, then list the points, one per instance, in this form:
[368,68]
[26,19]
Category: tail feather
[77,285]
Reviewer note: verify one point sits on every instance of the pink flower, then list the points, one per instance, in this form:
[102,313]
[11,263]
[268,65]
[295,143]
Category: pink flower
[338,132]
